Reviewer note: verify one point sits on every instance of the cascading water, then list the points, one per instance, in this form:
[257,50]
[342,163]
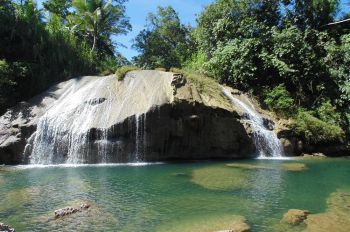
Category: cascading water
[77,127]
[265,140]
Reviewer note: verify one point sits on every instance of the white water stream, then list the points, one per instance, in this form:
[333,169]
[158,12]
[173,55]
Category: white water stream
[265,140]
[77,127]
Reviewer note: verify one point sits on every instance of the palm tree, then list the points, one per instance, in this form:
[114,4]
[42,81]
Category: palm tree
[97,21]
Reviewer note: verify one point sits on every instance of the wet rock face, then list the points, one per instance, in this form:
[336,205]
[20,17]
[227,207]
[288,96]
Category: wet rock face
[179,131]
[181,124]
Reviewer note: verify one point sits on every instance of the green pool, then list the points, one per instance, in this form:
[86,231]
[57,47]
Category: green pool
[198,196]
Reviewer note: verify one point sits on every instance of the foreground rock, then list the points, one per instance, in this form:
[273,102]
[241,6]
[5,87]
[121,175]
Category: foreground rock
[149,116]
[336,217]
[295,216]
[6,228]
[70,210]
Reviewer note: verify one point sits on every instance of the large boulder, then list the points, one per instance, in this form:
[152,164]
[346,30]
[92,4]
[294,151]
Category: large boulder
[149,116]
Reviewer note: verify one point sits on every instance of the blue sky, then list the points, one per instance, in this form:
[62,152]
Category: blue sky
[137,11]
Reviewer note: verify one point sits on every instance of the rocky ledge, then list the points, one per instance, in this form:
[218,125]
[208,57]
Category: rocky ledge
[164,118]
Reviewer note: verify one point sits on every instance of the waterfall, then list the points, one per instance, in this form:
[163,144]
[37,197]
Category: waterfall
[265,140]
[78,127]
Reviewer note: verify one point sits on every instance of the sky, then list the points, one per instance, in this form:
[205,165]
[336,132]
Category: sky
[137,11]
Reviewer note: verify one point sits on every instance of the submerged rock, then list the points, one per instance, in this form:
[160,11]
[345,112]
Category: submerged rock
[6,228]
[220,178]
[295,216]
[294,166]
[70,210]
[336,217]
[284,166]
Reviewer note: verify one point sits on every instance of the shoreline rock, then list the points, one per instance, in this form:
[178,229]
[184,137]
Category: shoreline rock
[6,228]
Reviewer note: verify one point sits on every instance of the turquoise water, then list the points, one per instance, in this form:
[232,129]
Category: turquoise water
[165,197]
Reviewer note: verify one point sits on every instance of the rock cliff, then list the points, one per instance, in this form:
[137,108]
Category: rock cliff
[149,116]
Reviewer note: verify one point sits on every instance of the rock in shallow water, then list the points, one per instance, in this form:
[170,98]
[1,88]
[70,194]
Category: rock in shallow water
[284,166]
[70,210]
[295,216]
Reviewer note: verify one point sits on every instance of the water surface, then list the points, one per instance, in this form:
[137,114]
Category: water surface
[165,197]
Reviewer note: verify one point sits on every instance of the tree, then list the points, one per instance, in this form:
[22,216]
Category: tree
[225,20]
[311,13]
[58,7]
[97,20]
[165,42]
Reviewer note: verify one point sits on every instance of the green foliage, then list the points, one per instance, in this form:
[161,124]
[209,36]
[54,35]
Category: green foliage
[234,62]
[279,100]
[328,113]
[37,53]
[58,7]
[97,21]
[165,42]
[311,13]
[122,71]
[197,61]
[110,64]
[225,20]
[314,130]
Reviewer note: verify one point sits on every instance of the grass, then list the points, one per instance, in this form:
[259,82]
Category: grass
[160,69]
[122,71]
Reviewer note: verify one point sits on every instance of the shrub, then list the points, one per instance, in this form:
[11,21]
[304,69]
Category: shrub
[327,113]
[235,63]
[279,100]
[197,61]
[110,64]
[122,71]
[314,130]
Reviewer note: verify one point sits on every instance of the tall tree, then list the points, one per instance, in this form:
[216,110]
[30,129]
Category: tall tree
[58,7]
[98,20]
[311,13]
[165,42]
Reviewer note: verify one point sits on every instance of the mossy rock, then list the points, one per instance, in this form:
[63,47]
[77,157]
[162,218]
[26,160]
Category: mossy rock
[336,217]
[220,178]
[122,71]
